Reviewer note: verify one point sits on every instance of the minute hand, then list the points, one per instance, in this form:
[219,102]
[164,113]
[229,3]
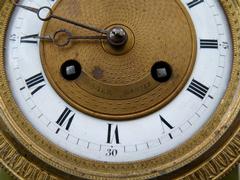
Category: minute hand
[47,10]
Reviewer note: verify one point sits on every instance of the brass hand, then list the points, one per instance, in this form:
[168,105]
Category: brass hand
[63,37]
[41,13]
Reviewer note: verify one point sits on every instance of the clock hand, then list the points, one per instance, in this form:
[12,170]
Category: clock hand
[67,37]
[63,37]
[50,15]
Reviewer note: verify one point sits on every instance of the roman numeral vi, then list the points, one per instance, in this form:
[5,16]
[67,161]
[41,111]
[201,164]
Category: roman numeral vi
[113,134]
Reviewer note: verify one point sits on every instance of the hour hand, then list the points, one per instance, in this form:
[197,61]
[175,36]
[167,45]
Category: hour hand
[60,38]
[63,37]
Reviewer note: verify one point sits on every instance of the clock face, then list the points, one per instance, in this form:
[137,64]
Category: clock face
[42,93]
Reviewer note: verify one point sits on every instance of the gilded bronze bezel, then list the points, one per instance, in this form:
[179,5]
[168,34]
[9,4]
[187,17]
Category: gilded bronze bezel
[210,154]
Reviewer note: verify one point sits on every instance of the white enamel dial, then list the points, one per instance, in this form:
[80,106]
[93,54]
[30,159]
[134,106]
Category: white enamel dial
[124,141]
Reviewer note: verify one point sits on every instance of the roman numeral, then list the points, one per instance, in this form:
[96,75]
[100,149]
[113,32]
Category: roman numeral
[194,3]
[198,89]
[113,134]
[166,123]
[26,39]
[35,83]
[65,119]
[209,43]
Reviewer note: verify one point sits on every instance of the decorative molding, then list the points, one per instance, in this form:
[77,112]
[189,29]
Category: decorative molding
[218,165]
[213,167]
[19,166]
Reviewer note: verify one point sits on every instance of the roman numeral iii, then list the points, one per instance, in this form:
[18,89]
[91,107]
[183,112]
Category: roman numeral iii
[35,83]
[29,39]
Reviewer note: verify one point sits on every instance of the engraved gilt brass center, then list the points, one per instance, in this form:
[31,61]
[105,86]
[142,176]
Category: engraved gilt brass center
[117,84]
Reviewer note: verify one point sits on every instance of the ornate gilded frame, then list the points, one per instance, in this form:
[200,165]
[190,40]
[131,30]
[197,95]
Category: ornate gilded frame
[210,154]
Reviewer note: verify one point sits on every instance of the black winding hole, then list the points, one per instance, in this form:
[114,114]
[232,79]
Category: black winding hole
[71,70]
[161,71]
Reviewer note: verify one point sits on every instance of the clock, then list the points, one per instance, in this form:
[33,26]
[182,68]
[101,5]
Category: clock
[131,89]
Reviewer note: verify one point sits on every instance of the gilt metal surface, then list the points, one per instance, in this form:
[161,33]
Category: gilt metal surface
[125,89]
[210,154]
